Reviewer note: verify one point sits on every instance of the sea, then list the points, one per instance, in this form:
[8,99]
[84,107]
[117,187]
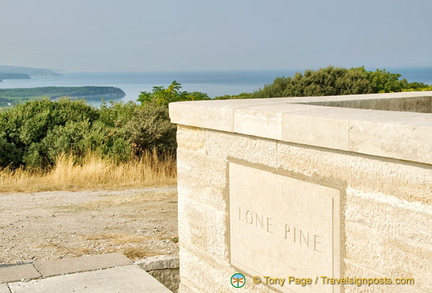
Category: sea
[213,83]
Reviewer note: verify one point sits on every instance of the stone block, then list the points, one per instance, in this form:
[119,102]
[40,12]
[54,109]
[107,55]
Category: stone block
[390,235]
[404,180]
[325,127]
[183,288]
[18,272]
[202,178]
[264,120]
[216,114]
[170,278]
[354,270]
[254,150]
[203,227]
[201,114]
[191,138]
[195,267]
[407,138]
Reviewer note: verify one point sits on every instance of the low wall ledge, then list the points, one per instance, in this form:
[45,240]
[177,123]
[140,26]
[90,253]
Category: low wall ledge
[393,125]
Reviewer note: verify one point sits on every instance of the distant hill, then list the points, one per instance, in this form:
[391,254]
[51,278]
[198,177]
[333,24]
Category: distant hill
[27,70]
[13,76]
[89,93]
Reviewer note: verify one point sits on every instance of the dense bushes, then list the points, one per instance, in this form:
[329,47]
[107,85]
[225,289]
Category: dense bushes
[34,134]
[151,128]
[334,81]
[337,81]
[24,129]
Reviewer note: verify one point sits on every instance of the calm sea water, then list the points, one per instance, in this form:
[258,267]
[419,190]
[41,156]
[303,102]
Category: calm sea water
[215,83]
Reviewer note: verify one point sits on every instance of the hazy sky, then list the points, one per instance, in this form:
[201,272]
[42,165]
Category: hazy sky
[180,35]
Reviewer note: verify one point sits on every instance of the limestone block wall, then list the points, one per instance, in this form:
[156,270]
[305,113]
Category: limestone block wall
[378,163]
[164,268]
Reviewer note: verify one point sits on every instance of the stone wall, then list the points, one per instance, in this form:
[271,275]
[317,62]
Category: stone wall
[164,268]
[357,183]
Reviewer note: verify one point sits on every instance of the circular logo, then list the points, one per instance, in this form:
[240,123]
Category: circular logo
[238,280]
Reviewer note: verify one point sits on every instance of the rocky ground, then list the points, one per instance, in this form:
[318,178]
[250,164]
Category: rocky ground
[52,225]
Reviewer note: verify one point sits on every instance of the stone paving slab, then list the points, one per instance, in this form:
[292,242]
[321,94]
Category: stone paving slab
[18,272]
[81,264]
[125,279]
[4,288]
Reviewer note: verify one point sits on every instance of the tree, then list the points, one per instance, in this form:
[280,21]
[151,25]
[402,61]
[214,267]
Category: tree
[161,96]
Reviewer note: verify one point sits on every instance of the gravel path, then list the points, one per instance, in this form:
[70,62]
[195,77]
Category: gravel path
[57,224]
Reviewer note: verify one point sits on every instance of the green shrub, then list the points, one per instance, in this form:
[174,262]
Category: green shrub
[150,128]
[80,137]
[9,154]
[34,134]
[23,128]
[336,81]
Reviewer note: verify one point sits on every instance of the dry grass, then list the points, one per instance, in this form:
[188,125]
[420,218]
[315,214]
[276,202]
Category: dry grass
[93,173]
[132,246]
[109,201]
[118,239]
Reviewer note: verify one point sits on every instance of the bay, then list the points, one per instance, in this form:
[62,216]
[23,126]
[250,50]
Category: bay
[214,83]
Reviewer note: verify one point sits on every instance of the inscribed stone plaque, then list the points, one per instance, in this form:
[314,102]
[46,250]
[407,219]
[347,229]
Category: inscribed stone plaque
[281,227]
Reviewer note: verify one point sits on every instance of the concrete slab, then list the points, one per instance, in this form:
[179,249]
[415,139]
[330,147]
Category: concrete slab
[81,264]
[126,279]
[18,272]
[4,288]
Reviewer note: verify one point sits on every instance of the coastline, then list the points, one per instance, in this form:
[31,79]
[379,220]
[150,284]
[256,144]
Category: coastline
[214,83]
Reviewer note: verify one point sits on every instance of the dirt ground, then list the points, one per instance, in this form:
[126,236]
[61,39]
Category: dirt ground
[58,224]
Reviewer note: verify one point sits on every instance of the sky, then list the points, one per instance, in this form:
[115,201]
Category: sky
[200,35]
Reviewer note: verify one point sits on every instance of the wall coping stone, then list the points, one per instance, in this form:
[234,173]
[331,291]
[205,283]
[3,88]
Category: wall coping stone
[392,134]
